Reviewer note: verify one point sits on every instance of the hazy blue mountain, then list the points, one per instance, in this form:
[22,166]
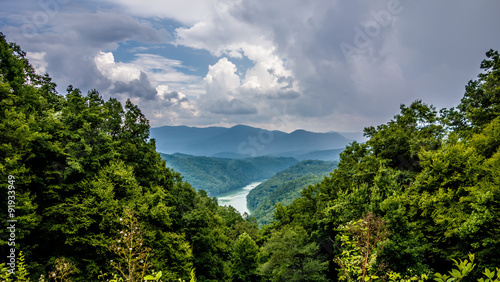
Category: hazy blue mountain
[230,155]
[323,155]
[243,141]
[358,136]
[176,139]
[218,175]
[285,186]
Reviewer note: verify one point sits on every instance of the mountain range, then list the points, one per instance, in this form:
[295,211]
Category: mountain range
[242,141]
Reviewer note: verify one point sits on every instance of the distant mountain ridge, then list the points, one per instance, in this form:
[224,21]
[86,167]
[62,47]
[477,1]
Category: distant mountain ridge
[243,141]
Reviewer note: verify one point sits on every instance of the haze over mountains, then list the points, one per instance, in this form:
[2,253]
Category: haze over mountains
[242,141]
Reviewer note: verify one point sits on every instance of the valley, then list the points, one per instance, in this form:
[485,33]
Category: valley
[221,175]
[286,186]
[238,198]
[227,163]
[238,182]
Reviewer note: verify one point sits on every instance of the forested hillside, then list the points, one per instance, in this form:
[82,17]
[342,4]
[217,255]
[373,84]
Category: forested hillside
[90,195]
[219,175]
[423,190]
[88,198]
[284,187]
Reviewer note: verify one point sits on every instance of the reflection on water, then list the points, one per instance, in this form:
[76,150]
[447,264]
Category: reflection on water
[237,198]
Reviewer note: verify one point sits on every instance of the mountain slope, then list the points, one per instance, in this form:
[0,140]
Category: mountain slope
[218,175]
[285,186]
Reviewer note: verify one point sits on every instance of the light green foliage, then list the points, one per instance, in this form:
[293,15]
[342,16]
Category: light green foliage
[350,259]
[192,276]
[19,275]
[396,277]
[22,273]
[116,278]
[154,277]
[490,275]
[4,272]
[463,268]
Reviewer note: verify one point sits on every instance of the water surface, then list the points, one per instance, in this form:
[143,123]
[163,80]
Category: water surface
[237,198]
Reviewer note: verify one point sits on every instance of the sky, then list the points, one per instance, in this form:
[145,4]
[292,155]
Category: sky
[323,65]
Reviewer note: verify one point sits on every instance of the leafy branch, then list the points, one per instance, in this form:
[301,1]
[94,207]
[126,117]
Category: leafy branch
[133,256]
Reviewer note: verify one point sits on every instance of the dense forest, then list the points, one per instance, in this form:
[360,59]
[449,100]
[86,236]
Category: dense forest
[219,175]
[284,187]
[92,200]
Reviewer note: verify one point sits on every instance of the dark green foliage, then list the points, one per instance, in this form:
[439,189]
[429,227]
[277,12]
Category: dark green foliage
[210,244]
[244,259]
[433,180]
[289,256]
[78,161]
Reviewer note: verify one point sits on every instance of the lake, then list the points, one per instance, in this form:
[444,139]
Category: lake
[237,198]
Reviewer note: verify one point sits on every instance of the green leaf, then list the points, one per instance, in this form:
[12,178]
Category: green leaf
[455,273]
[158,275]
[489,274]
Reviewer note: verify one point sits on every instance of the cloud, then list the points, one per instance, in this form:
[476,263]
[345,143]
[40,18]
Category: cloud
[158,69]
[184,11]
[69,41]
[222,91]
[172,97]
[221,78]
[36,59]
[399,63]
[105,63]
[232,106]
[136,88]
[103,28]
[148,80]
[287,95]
[271,60]
[152,82]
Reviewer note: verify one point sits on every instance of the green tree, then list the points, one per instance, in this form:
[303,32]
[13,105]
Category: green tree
[244,259]
[288,256]
[481,102]
[206,232]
